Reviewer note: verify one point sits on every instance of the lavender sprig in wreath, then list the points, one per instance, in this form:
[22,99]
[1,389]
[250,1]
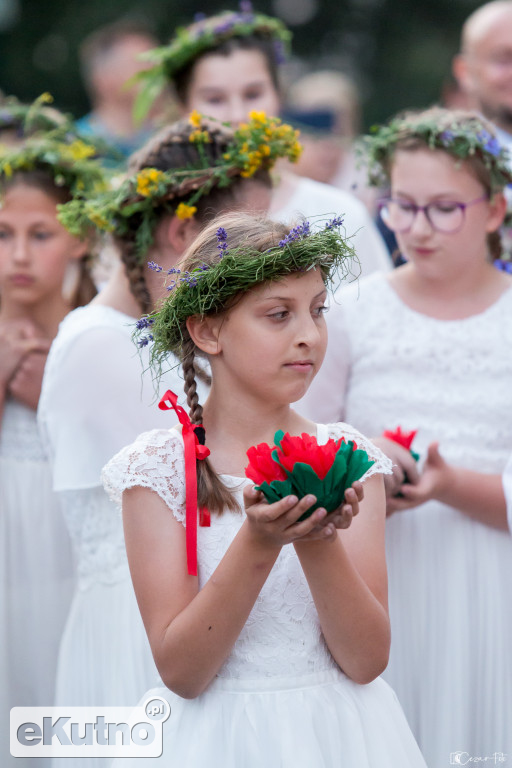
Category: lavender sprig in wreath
[297,233]
[222,238]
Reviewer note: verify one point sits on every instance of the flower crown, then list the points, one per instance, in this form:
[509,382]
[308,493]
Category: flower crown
[27,119]
[206,289]
[68,159]
[206,33]
[253,146]
[463,135]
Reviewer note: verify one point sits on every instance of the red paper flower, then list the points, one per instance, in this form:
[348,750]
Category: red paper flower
[305,450]
[298,465]
[402,438]
[262,467]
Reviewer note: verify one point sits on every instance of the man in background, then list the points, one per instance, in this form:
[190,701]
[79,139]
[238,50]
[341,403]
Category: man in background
[109,58]
[483,68]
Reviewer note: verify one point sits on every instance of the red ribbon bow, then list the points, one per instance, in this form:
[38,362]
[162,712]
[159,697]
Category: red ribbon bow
[193,451]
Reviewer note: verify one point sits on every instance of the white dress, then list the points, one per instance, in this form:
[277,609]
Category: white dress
[450,577]
[320,202]
[94,400]
[36,572]
[507,486]
[279,699]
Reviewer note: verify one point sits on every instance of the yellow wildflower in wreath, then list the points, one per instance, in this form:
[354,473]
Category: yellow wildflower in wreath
[259,118]
[79,150]
[199,137]
[148,180]
[184,211]
[195,119]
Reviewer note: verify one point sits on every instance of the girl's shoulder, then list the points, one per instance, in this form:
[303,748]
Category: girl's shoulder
[85,320]
[382,465]
[155,461]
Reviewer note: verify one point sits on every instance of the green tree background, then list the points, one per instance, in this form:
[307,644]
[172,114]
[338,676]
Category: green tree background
[398,51]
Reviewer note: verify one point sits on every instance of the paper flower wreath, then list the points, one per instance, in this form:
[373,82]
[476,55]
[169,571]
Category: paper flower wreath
[299,465]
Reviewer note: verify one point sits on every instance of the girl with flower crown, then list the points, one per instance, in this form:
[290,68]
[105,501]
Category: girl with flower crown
[227,66]
[97,393]
[435,335]
[43,275]
[269,627]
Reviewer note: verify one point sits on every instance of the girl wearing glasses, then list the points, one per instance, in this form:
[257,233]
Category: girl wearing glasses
[427,347]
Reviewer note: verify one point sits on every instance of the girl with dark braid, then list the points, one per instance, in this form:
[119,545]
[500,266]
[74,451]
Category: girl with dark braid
[268,622]
[97,395]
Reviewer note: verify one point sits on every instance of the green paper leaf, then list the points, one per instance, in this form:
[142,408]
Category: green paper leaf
[276,491]
[359,464]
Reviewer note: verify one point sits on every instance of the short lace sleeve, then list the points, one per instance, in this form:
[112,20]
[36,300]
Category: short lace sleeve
[155,460]
[382,464]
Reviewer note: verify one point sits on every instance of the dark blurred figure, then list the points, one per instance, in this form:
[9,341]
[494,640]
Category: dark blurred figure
[325,106]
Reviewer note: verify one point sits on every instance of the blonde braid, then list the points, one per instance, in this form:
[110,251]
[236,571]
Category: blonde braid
[189,373]
[211,491]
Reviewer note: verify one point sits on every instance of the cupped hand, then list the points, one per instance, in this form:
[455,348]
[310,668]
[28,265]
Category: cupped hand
[405,470]
[276,524]
[25,384]
[341,518]
[430,482]
[17,339]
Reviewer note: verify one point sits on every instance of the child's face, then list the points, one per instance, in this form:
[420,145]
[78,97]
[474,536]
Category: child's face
[229,87]
[426,176]
[271,344]
[35,248]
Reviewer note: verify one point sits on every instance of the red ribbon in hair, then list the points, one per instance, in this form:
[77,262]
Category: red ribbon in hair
[194,450]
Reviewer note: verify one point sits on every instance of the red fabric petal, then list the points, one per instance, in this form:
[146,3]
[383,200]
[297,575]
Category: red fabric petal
[262,467]
[305,450]
[402,438]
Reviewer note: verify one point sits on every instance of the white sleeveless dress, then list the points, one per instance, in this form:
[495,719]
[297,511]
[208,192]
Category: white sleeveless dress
[279,699]
[450,577]
[98,395]
[36,573]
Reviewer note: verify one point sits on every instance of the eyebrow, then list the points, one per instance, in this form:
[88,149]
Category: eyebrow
[288,298]
[450,196]
[215,88]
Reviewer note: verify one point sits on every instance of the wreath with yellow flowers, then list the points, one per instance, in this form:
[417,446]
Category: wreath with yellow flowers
[253,146]
[68,159]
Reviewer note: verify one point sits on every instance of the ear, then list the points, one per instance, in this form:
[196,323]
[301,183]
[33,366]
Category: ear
[180,233]
[205,333]
[461,72]
[497,211]
[79,249]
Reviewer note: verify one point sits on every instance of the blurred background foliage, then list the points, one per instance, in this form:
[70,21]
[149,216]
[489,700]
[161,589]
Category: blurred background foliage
[397,51]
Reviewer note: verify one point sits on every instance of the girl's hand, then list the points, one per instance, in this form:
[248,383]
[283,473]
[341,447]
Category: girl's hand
[341,518]
[431,482]
[25,385]
[17,339]
[275,525]
[404,468]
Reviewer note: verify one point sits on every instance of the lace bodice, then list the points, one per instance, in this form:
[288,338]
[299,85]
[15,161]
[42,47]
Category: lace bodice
[451,380]
[19,435]
[282,635]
